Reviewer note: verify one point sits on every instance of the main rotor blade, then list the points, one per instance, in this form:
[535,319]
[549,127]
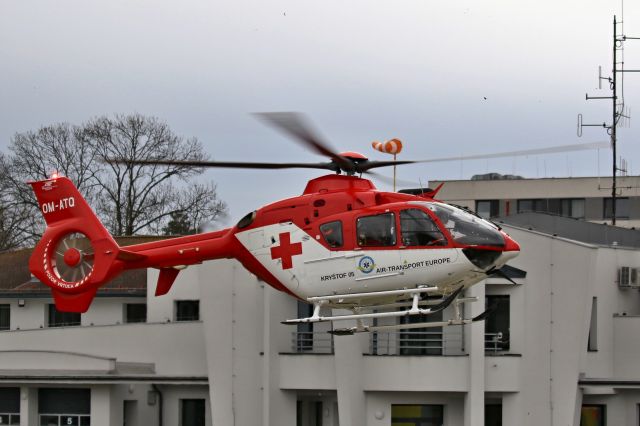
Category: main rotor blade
[548,150]
[225,164]
[296,125]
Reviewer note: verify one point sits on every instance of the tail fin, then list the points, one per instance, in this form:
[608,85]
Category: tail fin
[76,253]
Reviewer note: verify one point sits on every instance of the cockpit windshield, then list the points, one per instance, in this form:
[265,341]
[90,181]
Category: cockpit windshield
[465,228]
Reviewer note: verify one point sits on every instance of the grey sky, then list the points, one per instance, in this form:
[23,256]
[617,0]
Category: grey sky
[362,70]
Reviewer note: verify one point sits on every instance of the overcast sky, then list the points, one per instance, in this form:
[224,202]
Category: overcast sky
[417,70]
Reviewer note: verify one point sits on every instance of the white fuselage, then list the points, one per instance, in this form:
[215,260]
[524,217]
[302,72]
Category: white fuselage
[317,271]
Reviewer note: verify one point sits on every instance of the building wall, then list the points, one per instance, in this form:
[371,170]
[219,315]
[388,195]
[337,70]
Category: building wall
[593,189]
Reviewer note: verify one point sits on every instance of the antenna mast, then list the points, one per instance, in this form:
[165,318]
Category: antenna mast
[618,108]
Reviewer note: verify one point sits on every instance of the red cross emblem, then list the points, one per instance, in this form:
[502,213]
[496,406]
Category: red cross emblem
[286,250]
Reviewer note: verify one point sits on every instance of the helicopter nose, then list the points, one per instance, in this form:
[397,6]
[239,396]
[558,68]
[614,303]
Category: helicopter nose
[510,244]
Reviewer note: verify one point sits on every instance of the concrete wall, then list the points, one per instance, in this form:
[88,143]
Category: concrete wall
[145,343]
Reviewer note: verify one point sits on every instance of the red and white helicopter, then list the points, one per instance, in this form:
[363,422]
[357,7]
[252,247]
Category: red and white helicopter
[341,244]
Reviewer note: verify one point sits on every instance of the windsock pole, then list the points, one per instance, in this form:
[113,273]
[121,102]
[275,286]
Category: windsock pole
[394,173]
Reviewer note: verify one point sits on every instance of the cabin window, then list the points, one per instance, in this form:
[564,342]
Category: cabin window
[418,229]
[377,231]
[332,233]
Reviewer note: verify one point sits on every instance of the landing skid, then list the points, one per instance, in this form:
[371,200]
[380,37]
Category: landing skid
[414,310]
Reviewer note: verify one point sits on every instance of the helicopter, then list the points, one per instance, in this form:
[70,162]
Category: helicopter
[342,244]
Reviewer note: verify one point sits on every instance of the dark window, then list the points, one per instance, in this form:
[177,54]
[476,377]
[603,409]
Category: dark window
[192,412]
[62,319]
[135,312]
[332,233]
[9,406]
[304,337]
[64,406]
[5,318]
[568,207]
[593,415]
[488,208]
[572,208]
[418,229]
[532,206]
[421,341]
[418,415]
[378,230]
[493,415]
[622,208]
[187,310]
[592,343]
[496,326]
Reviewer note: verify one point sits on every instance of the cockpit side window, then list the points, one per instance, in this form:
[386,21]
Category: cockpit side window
[376,231]
[466,228]
[332,233]
[418,229]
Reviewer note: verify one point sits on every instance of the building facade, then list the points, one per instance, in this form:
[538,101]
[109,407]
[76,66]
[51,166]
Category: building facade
[587,198]
[560,346]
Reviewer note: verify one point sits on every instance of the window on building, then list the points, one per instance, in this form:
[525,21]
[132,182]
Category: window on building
[496,326]
[532,205]
[9,406]
[187,310]
[332,233]
[572,208]
[57,318]
[304,336]
[493,415]
[488,208]
[192,412]
[418,229]
[378,230]
[417,415]
[622,208]
[421,341]
[64,406]
[5,317]
[135,312]
[592,345]
[593,415]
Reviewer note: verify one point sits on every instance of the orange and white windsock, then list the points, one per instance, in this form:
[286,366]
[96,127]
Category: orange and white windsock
[392,146]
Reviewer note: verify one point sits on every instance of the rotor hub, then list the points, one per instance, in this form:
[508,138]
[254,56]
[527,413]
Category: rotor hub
[72,257]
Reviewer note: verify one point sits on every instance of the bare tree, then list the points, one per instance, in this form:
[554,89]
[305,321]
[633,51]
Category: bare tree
[13,215]
[129,199]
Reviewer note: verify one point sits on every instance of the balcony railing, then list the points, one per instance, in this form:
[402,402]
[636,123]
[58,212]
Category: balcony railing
[407,342]
[312,342]
[413,342]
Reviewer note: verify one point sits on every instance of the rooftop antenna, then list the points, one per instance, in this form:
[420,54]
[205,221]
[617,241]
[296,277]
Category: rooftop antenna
[618,109]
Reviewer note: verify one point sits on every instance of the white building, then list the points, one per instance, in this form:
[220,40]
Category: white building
[589,198]
[563,342]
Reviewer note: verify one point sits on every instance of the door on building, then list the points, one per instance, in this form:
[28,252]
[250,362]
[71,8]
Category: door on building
[496,326]
[64,406]
[192,412]
[493,415]
[308,413]
[417,415]
[130,413]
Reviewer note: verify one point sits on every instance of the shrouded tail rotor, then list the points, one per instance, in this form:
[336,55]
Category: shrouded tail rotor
[71,258]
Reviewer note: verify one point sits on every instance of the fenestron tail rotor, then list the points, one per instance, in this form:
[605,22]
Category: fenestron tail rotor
[71,258]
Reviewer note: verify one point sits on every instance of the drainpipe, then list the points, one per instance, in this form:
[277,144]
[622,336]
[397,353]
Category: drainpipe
[159,392]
